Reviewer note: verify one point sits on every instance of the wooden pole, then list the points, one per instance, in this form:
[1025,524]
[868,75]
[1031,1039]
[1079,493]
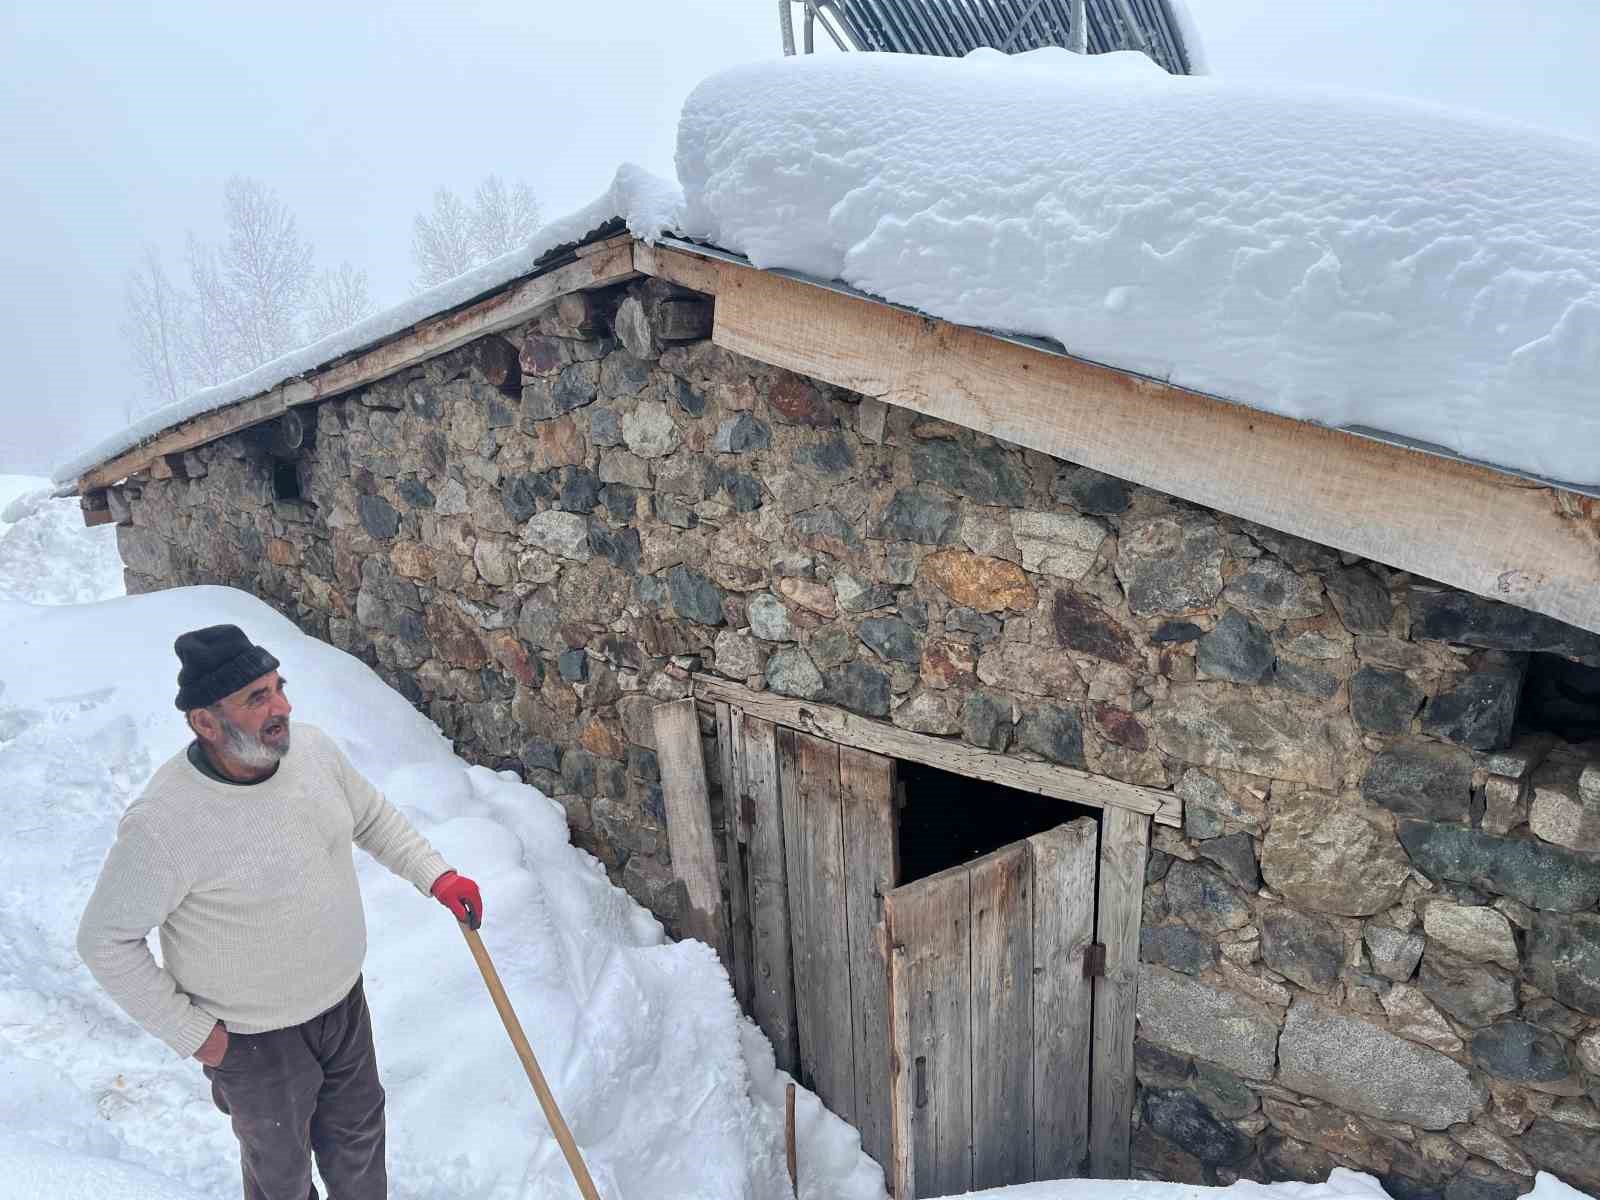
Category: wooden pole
[788,1138]
[541,1089]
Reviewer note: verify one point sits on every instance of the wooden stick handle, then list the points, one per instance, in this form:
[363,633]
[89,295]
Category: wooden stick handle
[788,1138]
[541,1089]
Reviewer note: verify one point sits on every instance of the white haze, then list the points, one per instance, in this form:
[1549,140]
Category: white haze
[121,122]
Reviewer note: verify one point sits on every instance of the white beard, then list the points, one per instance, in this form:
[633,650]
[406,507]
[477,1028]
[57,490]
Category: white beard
[250,749]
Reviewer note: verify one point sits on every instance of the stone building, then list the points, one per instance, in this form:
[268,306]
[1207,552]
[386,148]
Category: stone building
[1329,705]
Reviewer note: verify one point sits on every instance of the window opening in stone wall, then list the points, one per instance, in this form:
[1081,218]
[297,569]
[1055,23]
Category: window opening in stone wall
[1560,697]
[285,481]
[945,820]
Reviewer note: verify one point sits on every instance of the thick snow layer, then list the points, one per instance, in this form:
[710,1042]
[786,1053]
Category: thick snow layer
[646,203]
[1342,258]
[1342,1184]
[668,1090]
[47,554]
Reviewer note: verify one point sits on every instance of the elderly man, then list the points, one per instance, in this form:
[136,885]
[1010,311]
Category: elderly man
[239,849]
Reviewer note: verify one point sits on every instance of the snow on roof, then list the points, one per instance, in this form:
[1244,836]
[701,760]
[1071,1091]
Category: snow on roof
[1352,260]
[646,203]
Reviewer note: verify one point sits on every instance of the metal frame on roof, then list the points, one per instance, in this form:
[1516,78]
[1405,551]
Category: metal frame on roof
[952,28]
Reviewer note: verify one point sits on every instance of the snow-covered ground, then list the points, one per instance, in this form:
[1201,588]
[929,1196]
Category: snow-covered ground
[47,555]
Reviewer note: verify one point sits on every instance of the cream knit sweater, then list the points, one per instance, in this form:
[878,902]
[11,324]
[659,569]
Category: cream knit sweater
[253,888]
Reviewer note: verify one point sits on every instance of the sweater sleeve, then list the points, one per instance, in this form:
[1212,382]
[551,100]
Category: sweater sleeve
[383,832]
[137,890]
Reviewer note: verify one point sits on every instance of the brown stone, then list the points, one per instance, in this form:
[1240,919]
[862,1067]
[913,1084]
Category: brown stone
[602,736]
[807,593]
[454,638]
[1080,625]
[282,553]
[974,581]
[513,656]
[1034,670]
[797,399]
[1332,1130]
[945,664]
[559,443]
[412,559]
[1120,726]
[1334,854]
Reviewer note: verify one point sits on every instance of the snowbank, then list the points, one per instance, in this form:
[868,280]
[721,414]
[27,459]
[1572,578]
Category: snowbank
[646,203]
[1341,1184]
[47,554]
[1336,257]
[669,1091]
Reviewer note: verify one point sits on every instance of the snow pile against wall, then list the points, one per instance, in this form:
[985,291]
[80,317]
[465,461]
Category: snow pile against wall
[646,203]
[1348,259]
[47,556]
[667,1089]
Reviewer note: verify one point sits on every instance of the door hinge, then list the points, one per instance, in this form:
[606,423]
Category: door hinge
[1094,960]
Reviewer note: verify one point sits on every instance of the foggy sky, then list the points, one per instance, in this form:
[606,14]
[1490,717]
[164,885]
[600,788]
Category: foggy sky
[120,121]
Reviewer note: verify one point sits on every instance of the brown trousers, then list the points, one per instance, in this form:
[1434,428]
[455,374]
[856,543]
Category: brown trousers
[308,1089]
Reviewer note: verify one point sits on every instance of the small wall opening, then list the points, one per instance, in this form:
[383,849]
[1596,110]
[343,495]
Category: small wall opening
[1560,697]
[285,481]
[945,820]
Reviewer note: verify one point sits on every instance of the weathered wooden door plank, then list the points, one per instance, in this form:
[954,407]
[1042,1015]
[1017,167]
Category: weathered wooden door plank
[1124,838]
[772,983]
[828,1045]
[931,998]
[797,868]
[688,804]
[1002,1017]
[736,847]
[1063,926]
[871,851]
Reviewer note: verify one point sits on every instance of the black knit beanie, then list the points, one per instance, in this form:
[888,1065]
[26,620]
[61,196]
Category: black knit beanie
[217,661]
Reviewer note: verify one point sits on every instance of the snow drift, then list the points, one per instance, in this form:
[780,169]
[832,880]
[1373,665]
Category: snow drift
[1343,258]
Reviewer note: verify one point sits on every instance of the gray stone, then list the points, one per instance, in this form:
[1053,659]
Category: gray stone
[1367,1070]
[1201,821]
[742,434]
[1560,812]
[1480,711]
[987,473]
[891,638]
[986,720]
[621,374]
[1474,621]
[1413,1017]
[566,535]
[830,456]
[1308,681]
[1237,649]
[1333,855]
[1236,855]
[1170,564]
[574,664]
[674,510]
[538,755]
[928,712]
[1567,1150]
[1421,779]
[1536,874]
[520,494]
[1267,586]
[858,687]
[1181,1118]
[694,597]
[1383,701]
[1260,736]
[1394,952]
[414,492]
[981,626]
[378,516]
[1091,492]
[1205,899]
[577,489]
[619,547]
[633,329]
[574,387]
[832,645]
[1520,1052]
[1155,1067]
[686,397]
[1472,994]
[451,500]
[1223,1092]
[1360,599]
[769,619]
[1176,632]
[914,517]
[825,529]
[1306,949]
[1476,933]
[739,656]
[1177,947]
[1480,1181]
[605,426]
[649,430]
[1053,731]
[1207,1022]
[1563,959]
[1060,544]
[791,673]
[856,595]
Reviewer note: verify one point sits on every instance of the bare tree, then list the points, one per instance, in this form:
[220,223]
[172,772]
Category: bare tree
[210,352]
[441,240]
[155,329]
[267,269]
[503,218]
[339,299]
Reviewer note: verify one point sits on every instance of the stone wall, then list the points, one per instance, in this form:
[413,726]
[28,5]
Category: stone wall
[1375,942]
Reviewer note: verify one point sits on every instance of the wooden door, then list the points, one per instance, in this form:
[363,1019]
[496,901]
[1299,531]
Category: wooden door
[991,1016]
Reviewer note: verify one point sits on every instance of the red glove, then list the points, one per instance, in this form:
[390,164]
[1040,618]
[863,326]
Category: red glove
[460,895]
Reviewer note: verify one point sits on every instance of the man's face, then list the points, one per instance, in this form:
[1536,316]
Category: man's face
[253,723]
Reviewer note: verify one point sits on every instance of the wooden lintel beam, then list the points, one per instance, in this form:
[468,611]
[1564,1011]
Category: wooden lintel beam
[610,264]
[959,758]
[96,508]
[1474,528]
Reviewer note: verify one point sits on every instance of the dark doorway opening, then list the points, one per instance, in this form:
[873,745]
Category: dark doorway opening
[285,481]
[1560,697]
[945,820]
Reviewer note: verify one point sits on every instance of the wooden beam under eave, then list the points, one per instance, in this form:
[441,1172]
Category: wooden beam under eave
[1492,534]
[612,264]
